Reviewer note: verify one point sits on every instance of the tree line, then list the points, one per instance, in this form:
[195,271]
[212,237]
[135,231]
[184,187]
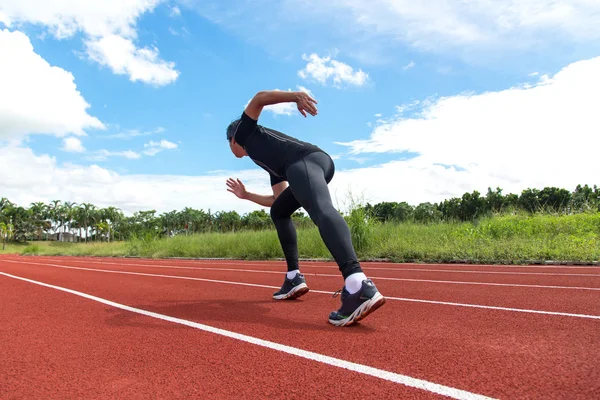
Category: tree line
[472,206]
[69,221]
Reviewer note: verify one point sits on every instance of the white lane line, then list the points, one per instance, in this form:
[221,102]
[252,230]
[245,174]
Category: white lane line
[305,266]
[308,265]
[110,271]
[370,265]
[330,264]
[193,268]
[521,310]
[367,264]
[335,362]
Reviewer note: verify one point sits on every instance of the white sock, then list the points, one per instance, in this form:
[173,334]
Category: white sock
[354,282]
[292,274]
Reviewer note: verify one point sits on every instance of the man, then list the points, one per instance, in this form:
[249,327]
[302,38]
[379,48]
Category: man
[308,170]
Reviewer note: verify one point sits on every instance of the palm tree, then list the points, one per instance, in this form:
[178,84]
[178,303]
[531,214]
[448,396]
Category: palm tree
[69,214]
[6,231]
[5,206]
[39,214]
[55,213]
[86,213]
[96,218]
[113,215]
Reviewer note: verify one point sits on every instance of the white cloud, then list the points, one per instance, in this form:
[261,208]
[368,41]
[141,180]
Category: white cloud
[371,31]
[452,23]
[129,134]
[101,155]
[123,58]
[66,17]
[42,178]
[544,135]
[285,108]
[153,148]
[165,144]
[322,69]
[359,160]
[38,98]
[305,90]
[175,11]
[409,65]
[73,145]
[109,27]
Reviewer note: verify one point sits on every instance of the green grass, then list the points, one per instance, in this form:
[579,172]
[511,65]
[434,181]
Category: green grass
[71,249]
[503,238]
[12,248]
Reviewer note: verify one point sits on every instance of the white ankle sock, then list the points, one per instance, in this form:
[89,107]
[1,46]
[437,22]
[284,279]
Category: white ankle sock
[354,282]
[292,274]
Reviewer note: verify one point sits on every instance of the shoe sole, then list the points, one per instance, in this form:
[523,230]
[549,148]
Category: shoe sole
[296,292]
[362,311]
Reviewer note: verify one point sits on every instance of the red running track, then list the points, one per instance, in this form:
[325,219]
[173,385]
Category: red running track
[62,345]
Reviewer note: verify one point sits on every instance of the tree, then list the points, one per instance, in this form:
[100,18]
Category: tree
[228,221]
[55,214]
[6,231]
[20,220]
[69,213]
[427,212]
[256,220]
[86,212]
[39,213]
[5,206]
[450,209]
[384,211]
[554,199]
[403,212]
[585,198]
[529,200]
[472,206]
[494,200]
[111,215]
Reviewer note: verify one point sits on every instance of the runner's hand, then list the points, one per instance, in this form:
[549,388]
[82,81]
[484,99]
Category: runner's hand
[237,187]
[305,104]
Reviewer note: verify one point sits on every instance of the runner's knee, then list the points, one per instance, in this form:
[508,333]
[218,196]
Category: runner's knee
[323,212]
[278,212]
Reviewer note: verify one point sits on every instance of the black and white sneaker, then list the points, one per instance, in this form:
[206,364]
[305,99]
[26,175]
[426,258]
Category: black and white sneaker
[357,306]
[292,288]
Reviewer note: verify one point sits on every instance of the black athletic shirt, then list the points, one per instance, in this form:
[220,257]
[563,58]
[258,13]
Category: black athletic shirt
[271,150]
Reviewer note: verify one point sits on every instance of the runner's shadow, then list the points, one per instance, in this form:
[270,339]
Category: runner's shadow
[277,315]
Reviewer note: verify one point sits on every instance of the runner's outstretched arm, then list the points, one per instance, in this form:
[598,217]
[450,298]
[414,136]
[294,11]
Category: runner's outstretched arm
[237,187]
[304,102]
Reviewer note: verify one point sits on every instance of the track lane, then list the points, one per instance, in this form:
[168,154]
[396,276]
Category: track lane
[451,273]
[529,298]
[475,350]
[58,346]
[370,265]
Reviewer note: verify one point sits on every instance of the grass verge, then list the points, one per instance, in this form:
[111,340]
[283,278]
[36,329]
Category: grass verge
[504,238]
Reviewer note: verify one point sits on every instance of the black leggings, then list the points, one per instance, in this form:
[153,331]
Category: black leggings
[308,179]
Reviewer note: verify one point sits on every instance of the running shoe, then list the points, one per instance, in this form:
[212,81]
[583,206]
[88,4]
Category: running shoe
[357,306]
[292,288]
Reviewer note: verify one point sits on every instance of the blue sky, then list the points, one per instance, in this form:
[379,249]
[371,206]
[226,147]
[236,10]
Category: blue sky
[212,57]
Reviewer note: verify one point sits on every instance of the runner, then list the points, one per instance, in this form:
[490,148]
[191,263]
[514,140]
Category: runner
[299,174]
